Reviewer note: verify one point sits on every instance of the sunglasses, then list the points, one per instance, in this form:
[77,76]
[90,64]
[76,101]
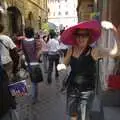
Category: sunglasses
[82,34]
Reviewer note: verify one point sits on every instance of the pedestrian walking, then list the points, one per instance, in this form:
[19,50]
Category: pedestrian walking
[32,51]
[45,52]
[9,55]
[82,58]
[53,56]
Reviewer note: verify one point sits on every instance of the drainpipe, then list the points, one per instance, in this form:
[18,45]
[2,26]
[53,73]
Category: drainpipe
[105,9]
[95,5]
[77,9]
[96,10]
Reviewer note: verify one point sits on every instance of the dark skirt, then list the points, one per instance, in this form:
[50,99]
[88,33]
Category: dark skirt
[74,95]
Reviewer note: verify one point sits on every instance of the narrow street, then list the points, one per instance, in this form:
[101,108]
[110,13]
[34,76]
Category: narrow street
[51,104]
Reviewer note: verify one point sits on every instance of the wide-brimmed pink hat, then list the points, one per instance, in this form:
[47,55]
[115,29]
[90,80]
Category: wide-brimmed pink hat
[68,37]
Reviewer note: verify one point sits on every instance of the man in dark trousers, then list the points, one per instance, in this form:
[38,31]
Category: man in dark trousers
[53,56]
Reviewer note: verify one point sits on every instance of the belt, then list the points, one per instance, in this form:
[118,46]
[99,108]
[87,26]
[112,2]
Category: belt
[53,53]
[81,79]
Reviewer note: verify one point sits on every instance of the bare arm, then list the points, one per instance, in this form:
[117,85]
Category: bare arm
[67,57]
[106,52]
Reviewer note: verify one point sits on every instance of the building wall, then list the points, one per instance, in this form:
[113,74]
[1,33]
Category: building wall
[114,9]
[62,12]
[109,11]
[33,12]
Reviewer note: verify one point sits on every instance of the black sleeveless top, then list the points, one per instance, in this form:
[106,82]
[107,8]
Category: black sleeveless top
[83,66]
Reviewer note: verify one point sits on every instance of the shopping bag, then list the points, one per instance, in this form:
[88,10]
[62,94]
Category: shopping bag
[36,74]
[18,88]
[114,82]
[114,78]
[22,74]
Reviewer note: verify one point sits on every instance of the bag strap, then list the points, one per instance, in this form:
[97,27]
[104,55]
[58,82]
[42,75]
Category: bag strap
[4,44]
[1,67]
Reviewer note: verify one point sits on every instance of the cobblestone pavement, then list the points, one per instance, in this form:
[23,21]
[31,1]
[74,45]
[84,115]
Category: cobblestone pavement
[51,104]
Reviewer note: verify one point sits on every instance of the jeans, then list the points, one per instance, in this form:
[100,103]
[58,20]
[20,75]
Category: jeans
[34,91]
[53,59]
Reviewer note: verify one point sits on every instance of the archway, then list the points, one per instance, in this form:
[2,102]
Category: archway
[15,20]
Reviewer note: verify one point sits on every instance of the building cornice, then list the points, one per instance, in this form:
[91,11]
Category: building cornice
[33,2]
[61,17]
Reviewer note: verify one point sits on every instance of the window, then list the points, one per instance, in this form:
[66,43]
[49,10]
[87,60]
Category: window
[66,13]
[59,13]
[59,6]
[48,10]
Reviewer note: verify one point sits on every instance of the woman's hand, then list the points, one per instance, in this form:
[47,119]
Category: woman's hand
[107,25]
[114,51]
[61,67]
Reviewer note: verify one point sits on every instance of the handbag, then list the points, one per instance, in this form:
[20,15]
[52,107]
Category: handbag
[114,78]
[18,88]
[22,74]
[36,74]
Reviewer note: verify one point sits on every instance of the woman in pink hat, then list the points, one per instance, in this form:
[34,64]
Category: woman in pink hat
[82,59]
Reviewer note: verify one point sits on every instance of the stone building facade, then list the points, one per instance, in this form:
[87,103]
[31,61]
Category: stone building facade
[21,13]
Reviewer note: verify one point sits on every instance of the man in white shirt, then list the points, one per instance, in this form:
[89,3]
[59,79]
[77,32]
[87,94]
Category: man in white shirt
[6,43]
[53,56]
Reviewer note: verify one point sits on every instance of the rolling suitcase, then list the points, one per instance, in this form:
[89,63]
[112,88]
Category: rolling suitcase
[96,112]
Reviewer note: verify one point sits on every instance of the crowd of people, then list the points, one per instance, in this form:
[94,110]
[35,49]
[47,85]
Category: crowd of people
[74,45]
